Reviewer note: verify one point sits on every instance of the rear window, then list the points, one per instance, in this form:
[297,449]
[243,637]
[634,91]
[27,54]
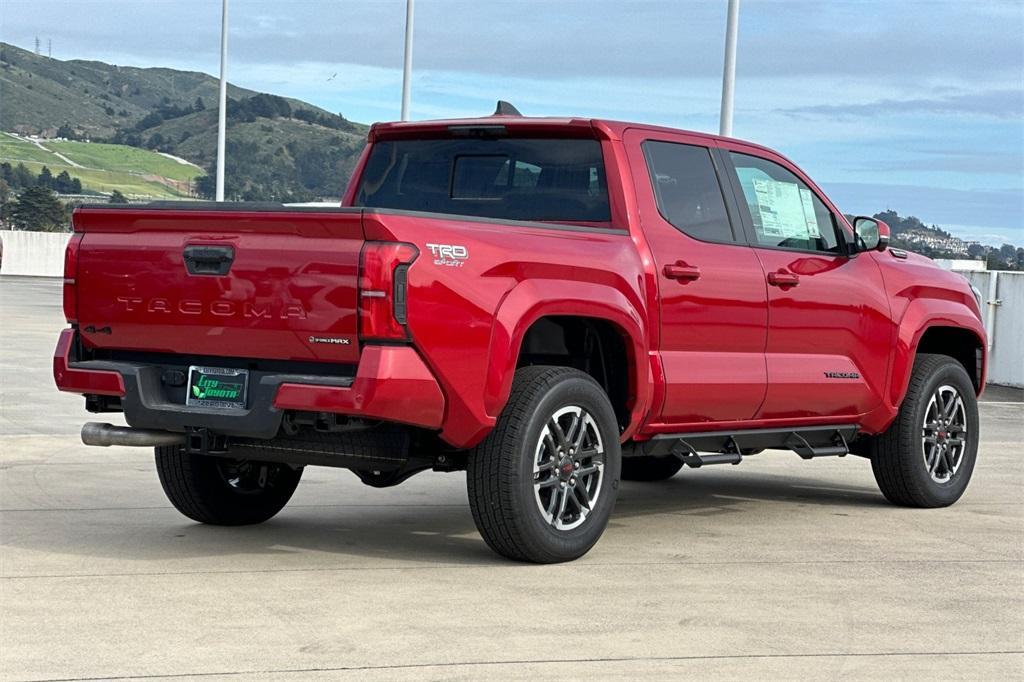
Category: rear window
[504,178]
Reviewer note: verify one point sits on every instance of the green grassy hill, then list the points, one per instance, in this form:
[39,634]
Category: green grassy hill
[93,98]
[278,148]
[279,158]
[102,168]
[116,157]
[96,98]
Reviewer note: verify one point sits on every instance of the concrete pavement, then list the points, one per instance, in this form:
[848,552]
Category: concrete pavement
[777,568]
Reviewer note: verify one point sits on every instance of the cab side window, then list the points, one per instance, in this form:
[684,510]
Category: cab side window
[783,209]
[687,190]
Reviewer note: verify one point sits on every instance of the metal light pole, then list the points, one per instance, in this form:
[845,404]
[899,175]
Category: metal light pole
[407,68]
[222,116]
[729,75]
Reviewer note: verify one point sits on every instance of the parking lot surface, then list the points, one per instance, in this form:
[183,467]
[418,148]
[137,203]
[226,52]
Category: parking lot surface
[777,568]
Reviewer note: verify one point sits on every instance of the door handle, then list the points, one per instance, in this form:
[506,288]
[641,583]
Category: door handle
[682,271]
[783,279]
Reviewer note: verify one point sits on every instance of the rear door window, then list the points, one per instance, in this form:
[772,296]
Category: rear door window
[504,178]
[687,190]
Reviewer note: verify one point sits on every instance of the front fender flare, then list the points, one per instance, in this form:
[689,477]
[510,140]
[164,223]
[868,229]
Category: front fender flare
[921,315]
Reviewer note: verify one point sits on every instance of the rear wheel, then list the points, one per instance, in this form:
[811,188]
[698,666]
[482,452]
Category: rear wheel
[543,483]
[222,491]
[926,456]
[647,468]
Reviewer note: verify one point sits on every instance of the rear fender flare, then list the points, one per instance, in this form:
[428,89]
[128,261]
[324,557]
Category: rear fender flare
[536,298]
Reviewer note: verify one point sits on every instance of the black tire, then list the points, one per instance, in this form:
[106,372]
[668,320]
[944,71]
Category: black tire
[501,479]
[222,491]
[647,468]
[899,458]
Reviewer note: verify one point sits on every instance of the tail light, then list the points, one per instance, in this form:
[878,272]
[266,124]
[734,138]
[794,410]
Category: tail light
[383,284]
[70,273]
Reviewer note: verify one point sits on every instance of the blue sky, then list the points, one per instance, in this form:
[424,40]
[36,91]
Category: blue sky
[915,106]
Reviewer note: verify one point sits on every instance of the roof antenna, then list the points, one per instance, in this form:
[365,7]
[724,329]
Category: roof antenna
[505,109]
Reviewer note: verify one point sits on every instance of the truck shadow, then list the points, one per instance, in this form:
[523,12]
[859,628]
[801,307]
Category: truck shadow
[406,533]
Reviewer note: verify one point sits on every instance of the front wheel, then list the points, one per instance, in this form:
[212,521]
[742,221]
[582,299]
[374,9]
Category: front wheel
[543,483]
[222,491]
[926,457]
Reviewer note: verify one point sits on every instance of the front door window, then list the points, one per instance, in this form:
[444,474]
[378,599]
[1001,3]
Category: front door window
[784,211]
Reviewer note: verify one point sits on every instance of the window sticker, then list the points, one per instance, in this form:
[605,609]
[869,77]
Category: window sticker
[809,216]
[785,213]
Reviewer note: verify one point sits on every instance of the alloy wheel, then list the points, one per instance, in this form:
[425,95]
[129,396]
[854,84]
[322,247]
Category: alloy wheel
[568,465]
[944,433]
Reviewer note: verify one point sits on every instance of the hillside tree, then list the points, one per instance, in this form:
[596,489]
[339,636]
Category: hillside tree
[37,208]
[23,177]
[65,184]
[45,178]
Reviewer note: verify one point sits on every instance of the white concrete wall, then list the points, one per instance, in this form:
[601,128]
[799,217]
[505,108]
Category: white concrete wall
[1006,330]
[961,265]
[40,254]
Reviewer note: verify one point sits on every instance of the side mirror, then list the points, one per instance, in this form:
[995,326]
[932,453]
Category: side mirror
[871,234]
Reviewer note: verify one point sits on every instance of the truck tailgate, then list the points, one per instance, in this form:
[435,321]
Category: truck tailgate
[277,284]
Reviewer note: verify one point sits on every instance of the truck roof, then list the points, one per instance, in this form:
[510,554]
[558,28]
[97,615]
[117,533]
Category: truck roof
[540,124]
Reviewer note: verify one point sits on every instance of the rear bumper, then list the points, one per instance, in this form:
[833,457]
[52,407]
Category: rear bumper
[391,383]
[75,380]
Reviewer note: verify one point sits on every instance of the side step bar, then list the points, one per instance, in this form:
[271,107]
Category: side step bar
[720,447]
[691,458]
[800,446]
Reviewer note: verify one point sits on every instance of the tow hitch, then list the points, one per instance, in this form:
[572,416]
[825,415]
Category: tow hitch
[202,441]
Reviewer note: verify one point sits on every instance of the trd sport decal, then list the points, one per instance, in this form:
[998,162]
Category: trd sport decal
[842,375]
[450,255]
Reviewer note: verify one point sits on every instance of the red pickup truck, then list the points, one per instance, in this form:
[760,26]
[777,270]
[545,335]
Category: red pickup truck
[552,305]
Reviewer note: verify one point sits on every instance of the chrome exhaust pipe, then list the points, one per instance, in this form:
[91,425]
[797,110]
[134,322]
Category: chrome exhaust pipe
[103,435]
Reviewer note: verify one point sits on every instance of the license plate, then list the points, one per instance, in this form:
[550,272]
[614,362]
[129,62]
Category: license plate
[217,387]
